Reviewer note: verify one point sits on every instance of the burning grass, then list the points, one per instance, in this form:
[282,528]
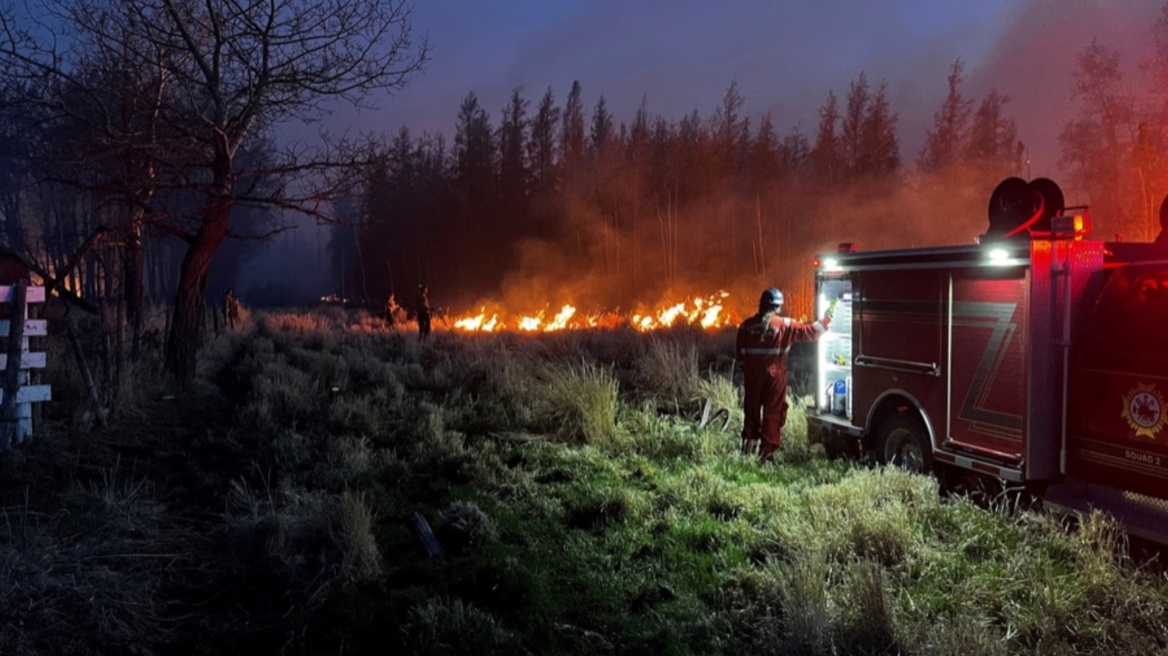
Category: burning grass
[584,499]
[705,312]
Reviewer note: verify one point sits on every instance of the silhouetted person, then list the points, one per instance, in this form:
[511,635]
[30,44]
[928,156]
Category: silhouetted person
[422,308]
[230,309]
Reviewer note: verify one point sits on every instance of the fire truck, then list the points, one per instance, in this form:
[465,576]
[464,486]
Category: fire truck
[1035,356]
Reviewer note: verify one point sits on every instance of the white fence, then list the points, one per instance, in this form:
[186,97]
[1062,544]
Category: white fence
[26,394]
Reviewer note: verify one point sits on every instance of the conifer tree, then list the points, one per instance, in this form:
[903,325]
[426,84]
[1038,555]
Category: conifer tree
[945,139]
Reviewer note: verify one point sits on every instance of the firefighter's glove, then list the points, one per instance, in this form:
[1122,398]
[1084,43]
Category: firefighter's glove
[825,322]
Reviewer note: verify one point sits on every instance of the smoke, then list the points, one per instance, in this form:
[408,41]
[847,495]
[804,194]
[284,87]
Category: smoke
[729,242]
[1028,52]
[1035,53]
[678,56]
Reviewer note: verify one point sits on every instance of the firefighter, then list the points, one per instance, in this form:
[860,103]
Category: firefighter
[391,308]
[763,344]
[422,308]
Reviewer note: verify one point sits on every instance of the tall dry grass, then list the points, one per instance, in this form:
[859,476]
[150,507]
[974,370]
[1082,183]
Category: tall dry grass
[578,402]
[585,500]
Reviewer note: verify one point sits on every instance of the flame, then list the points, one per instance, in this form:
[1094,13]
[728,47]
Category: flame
[706,312]
[478,322]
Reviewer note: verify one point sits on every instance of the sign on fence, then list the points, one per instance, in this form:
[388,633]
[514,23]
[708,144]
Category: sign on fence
[26,393]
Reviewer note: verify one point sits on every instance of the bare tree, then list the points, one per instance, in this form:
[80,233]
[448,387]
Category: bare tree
[231,70]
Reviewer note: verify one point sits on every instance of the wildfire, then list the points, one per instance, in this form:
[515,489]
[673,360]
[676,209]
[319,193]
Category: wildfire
[705,312]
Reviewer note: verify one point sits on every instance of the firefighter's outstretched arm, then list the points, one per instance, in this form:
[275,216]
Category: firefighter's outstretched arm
[806,332]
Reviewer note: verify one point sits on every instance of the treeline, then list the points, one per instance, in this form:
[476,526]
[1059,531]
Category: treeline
[549,202]
[561,201]
[543,200]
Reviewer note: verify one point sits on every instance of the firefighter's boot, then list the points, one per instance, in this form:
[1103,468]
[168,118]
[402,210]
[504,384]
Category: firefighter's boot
[767,454]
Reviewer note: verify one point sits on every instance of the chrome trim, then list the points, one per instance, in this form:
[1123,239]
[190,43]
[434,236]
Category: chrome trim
[892,364]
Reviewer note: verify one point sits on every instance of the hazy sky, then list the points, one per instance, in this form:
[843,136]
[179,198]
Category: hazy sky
[681,55]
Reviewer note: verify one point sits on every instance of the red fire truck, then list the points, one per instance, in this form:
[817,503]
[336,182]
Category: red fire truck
[1037,357]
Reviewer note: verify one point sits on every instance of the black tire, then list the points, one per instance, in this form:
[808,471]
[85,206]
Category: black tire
[903,442]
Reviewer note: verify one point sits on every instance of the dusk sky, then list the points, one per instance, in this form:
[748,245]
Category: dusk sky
[681,55]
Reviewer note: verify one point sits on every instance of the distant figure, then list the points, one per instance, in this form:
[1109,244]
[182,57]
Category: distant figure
[391,308]
[422,308]
[230,309]
[763,344]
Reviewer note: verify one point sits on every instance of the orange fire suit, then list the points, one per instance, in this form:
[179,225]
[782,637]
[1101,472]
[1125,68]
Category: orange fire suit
[762,348]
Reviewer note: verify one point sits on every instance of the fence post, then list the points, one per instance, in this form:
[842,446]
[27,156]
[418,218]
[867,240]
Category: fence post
[9,413]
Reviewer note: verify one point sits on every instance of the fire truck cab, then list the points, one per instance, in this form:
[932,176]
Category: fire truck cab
[1037,357]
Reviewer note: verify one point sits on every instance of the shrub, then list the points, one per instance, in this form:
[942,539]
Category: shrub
[594,509]
[372,413]
[797,448]
[579,403]
[870,514]
[351,531]
[661,437]
[282,394]
[309,540]
[803,594]
[452,627]
[967,633]
[463,524]
[345,461]
[668,371]
[866,623]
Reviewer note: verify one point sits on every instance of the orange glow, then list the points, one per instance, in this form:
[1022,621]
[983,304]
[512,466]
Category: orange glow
[706,312]
[478,322]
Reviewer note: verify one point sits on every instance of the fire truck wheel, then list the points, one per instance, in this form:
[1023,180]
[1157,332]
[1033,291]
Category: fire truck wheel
[903,442]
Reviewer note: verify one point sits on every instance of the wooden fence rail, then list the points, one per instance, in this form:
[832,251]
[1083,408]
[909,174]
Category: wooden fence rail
[16,417]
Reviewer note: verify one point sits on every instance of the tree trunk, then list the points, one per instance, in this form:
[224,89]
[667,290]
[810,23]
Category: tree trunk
[132,282]
[182,344]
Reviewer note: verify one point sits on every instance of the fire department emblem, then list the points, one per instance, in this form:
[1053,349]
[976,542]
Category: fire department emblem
[1143,408]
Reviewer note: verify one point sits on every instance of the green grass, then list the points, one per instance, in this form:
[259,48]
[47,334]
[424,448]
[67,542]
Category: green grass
[584,502]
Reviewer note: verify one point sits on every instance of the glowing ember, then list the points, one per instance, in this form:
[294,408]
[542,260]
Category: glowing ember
[705,312]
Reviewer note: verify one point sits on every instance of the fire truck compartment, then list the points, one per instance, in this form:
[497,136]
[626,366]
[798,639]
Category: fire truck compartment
[834,351]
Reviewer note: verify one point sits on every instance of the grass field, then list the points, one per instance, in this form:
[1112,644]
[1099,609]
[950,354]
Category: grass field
[580,506]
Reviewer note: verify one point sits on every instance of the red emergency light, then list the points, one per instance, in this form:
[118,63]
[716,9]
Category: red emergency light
[1069,225]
